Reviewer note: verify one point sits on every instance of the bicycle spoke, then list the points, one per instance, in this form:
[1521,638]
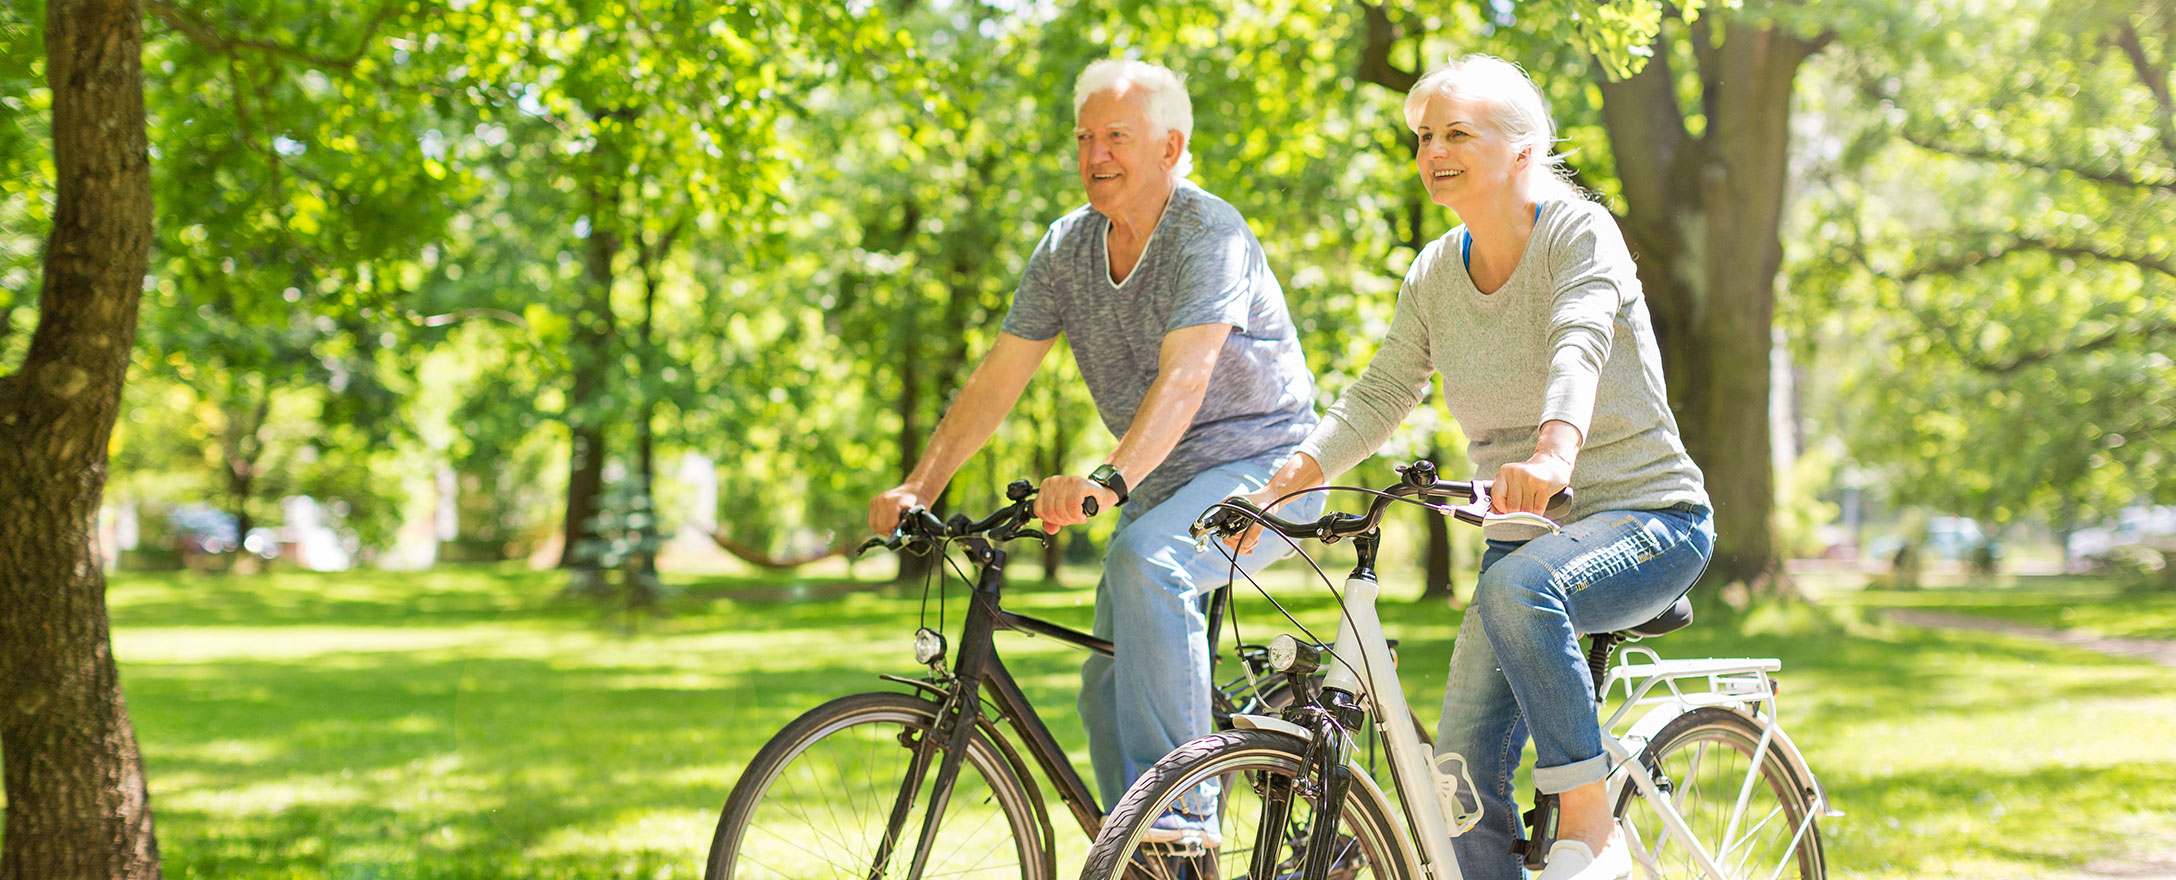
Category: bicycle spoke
[1745,841]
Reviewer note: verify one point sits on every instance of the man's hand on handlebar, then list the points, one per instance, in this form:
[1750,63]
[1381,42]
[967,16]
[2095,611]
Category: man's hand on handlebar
[884,509]
[1058,503]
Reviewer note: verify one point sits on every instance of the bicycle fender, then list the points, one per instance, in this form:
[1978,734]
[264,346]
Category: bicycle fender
[1797,761]
[1271,723]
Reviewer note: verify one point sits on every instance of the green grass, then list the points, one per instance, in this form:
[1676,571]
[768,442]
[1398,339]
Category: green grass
[468,724]
[2094,605]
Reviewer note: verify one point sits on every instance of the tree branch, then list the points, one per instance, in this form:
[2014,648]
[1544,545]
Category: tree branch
[1375,65]
[2117,177]
[2164,264]
[2155,79]
[202,33]
[1968,354]
[761,559]
[2111,338]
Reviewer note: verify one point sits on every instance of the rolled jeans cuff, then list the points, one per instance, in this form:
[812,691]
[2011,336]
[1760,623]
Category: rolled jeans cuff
[1565,777]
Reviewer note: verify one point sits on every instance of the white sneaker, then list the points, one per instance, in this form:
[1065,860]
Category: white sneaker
[1175,828]
[1573,860]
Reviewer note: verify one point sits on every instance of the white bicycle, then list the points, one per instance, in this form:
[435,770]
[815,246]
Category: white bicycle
[1705,781]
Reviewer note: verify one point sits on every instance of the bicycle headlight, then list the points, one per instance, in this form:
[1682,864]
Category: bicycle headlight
[928,646]
[1288,655]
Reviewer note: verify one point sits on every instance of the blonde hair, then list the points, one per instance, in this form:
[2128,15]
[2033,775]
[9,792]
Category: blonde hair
[1169,109]
[1516,110]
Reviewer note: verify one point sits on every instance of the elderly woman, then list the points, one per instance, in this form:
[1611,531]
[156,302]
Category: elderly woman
[1533,314]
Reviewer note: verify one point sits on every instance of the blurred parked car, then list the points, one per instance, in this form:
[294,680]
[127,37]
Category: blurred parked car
[1948,538]
[204,530]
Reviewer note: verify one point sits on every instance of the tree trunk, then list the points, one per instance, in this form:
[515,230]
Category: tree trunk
[591,357]
[912,569]
[1061,431]
[1704,218]
[1441,567]
[645,433]
[77,805]
[244,443]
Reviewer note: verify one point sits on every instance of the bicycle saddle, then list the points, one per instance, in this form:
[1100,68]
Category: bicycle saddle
[1674,618]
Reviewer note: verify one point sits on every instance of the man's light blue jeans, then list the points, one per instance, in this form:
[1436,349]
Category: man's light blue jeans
[1517,666]
[1153,605]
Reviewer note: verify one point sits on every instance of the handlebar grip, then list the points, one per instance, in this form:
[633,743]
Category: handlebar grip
[1088,506]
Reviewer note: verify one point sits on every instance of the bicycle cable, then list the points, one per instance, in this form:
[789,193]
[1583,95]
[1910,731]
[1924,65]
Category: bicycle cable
[1260,519]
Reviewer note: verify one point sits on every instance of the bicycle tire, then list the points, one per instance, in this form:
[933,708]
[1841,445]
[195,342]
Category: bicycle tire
[989,786]
[1678,752]
[1252,755]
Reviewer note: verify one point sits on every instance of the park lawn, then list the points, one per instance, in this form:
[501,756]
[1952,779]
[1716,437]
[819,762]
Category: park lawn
[2099,606]
[468,723]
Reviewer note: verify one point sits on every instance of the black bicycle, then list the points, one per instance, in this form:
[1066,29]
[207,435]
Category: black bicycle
[925,783]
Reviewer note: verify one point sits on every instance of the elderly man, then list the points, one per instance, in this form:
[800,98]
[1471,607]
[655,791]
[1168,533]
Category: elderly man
[1181,332]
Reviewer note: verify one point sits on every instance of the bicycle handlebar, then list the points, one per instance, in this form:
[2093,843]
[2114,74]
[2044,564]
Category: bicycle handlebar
[919,529]
[1234,515]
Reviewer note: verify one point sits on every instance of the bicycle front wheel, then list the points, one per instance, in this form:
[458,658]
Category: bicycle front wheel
[1754,821]
[1254,766]
[821,801]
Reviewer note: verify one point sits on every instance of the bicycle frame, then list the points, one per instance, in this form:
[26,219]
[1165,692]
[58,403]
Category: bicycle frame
[1360,664]
[980,670]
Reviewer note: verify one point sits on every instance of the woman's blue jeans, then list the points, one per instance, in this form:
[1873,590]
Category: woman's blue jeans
[1517,667]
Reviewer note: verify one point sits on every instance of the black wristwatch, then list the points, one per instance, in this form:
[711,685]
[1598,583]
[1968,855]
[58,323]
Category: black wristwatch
[1109,478]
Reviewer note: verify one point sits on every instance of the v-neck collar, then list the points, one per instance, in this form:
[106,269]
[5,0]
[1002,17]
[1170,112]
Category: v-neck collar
[1466,271]
[1151,242]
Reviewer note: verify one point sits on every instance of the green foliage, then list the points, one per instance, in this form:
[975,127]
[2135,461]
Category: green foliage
[389,220]
[26,173]
[1986,274]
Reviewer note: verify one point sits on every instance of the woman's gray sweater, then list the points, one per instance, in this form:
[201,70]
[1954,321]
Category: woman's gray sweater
[1566,337]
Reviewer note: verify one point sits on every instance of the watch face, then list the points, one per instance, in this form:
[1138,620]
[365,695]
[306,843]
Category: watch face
[1109,478]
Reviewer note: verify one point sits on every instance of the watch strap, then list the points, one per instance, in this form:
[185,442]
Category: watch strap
[1109,478]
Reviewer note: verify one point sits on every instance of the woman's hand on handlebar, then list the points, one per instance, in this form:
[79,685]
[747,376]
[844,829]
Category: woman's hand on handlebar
[1527,486]
[1300,471]
[1243,542]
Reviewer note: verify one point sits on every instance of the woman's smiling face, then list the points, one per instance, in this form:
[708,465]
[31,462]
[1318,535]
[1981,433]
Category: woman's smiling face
[1462,158]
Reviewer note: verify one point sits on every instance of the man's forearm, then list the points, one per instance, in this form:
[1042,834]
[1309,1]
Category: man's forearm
[989,394]
[1184,364]
[959,435]
[1165,414]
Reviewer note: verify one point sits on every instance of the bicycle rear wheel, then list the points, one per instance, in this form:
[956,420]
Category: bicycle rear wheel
[1250,762]
[818,798]
[1707,757]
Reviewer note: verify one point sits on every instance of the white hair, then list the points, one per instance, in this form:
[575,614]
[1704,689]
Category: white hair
[1516,110]
[1169,109]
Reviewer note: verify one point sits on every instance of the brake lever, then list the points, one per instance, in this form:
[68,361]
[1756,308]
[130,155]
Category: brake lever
[1523,518]
[869,545]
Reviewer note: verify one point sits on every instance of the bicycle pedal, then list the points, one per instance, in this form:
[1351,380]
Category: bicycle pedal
[1192,846]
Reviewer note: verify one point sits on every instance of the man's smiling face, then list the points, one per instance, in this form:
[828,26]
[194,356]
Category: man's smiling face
[1124,159]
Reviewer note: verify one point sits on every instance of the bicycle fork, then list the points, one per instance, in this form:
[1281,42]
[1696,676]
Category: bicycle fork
[950,733]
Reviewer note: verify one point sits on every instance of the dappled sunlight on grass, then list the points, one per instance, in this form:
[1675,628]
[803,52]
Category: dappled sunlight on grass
[470,723]
[2099,606]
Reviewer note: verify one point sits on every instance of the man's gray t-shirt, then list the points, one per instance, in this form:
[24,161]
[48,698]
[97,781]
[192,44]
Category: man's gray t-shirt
[1202,265]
